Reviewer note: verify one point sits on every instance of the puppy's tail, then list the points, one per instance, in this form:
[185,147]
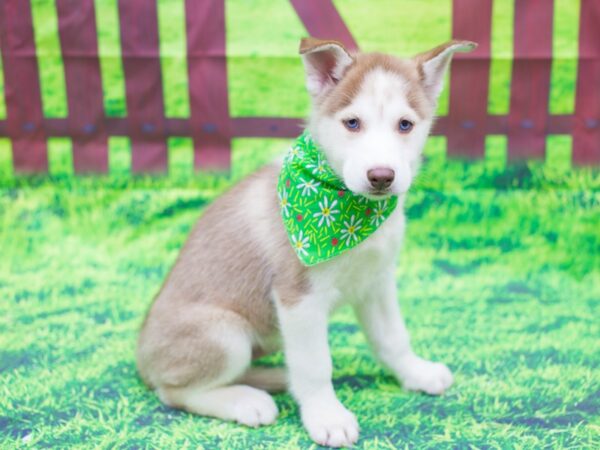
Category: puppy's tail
[270,379]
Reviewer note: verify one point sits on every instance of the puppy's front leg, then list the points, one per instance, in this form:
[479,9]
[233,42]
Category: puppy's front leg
[383,324]
[304,331]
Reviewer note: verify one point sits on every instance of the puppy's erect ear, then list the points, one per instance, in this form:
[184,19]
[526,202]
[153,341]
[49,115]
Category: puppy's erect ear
[433,64]
[324,62]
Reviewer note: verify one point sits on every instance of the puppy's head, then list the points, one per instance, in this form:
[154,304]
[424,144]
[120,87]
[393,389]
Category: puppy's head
[372,112]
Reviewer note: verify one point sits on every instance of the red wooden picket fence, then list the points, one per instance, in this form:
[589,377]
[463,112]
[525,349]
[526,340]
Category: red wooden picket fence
[210,125]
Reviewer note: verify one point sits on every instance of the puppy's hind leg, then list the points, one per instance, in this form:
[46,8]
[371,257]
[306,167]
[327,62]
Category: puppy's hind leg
[240,403]
[271,379]
[226,345]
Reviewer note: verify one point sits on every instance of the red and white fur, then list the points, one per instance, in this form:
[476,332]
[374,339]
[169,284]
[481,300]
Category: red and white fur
[238,291]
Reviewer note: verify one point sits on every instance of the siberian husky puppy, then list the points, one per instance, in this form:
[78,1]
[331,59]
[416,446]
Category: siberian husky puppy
[240,287]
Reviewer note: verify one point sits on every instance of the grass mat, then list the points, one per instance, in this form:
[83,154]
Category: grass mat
[499,278]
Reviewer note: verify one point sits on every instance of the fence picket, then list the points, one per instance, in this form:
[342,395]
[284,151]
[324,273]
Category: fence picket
[530,88]
[322,20]
[79,43]
[24,116]
[586,130]
[469,79]
[207,67]
[143,84]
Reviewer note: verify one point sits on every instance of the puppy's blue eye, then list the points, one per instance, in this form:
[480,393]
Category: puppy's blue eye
[405,126]
[352,124]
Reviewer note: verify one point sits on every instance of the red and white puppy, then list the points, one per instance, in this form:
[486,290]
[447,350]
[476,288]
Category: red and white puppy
[238,290]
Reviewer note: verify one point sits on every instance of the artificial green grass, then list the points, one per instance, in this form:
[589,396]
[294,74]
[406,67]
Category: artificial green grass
[499,278]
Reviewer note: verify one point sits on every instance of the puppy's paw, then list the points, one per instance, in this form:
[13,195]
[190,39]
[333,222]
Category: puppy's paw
[418,374]
[255,408]
[330,424]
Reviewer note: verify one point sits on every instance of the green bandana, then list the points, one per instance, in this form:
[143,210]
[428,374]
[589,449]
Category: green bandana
[322,217]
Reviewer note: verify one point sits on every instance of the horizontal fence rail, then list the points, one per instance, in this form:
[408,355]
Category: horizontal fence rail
[210,125]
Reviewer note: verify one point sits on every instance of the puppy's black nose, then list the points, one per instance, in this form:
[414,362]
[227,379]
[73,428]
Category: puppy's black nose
[381,178]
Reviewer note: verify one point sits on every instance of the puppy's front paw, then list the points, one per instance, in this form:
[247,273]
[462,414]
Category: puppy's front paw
[418,374]
[330,424]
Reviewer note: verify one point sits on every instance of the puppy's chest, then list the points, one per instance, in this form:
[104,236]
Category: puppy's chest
[354,274]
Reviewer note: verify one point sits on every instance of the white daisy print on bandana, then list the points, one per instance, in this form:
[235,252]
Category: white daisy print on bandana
[284,203]
[300,243]
[308,187]
[317,167]
[352,227]
[379,213]
[295,152]
[327,212]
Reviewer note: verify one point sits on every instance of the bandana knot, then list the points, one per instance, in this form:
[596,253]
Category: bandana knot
[322,217]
